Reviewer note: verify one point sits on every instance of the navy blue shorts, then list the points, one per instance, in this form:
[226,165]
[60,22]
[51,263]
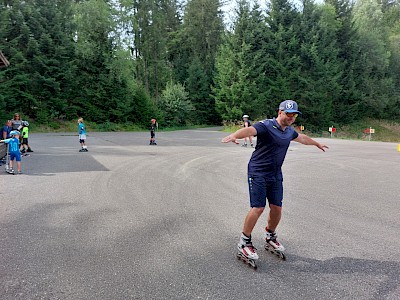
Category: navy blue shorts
[261,189]
[16,155]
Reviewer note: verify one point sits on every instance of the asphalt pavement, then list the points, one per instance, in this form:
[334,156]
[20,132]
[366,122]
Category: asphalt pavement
[127,220]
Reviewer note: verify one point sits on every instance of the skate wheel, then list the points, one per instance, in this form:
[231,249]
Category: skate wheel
[267,247]
[252,264]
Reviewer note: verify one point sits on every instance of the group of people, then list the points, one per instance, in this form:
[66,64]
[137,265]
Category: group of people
[15,133]
[264,168]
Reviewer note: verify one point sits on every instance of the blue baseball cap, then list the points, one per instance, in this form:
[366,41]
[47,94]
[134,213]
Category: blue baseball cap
[289,106]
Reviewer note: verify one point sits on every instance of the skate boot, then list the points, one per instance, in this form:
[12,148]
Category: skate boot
[246,251]
[82,150]
[29,150]
[272,245]
[252,146]
[244,145]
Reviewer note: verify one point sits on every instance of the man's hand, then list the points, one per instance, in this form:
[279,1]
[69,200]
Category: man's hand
[230,138]
[322,146]
[306,140]
[240,134]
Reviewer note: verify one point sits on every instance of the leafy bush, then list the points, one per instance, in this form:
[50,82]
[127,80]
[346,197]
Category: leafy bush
[175,105]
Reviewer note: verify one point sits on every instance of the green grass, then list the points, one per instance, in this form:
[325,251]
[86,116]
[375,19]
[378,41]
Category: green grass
[385,131]
[231,127]
[72,126]
[174,128]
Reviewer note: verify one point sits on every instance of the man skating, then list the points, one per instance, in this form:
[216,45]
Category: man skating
[265,174]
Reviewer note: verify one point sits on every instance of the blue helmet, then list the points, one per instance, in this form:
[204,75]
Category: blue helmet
[14,132]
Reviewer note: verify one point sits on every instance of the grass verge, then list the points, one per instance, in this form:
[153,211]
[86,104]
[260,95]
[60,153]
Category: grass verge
[385,131]
[72,126]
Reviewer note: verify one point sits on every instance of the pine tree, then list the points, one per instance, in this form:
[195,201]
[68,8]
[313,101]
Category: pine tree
[280,61]
[374,55]
[108,92]
[391,19]
[235,86]
[347,106]
[203,27]
[320,71]
[152,23]
[38,41]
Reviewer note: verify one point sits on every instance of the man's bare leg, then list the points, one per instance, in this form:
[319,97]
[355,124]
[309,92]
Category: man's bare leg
[251,219]
[274,217]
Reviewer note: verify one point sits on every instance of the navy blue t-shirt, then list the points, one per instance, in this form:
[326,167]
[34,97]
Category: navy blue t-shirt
[271,148]
[6,129]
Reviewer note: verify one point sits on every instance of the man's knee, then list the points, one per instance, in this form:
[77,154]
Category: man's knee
[275,208]
[258,210]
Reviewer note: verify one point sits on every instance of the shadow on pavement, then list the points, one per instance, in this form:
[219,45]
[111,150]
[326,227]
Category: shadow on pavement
[50,164]
[63,250]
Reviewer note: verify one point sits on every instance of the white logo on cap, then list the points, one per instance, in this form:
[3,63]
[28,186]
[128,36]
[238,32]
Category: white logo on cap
[289,105]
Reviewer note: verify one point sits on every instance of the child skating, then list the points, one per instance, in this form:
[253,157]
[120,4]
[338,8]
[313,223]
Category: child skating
[247,123]
[153,127]
[25,134]
[82,135]
[13,149]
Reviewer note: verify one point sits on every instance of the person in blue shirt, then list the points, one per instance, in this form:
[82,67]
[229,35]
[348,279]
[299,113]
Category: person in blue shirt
[5,131]
[82,135]
[13,149]
[265,173]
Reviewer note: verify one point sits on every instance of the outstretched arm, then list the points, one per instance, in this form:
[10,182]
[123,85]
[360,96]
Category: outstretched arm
[306,140]
[240,134]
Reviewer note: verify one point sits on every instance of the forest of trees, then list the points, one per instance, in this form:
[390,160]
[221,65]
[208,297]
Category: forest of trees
[182,62]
